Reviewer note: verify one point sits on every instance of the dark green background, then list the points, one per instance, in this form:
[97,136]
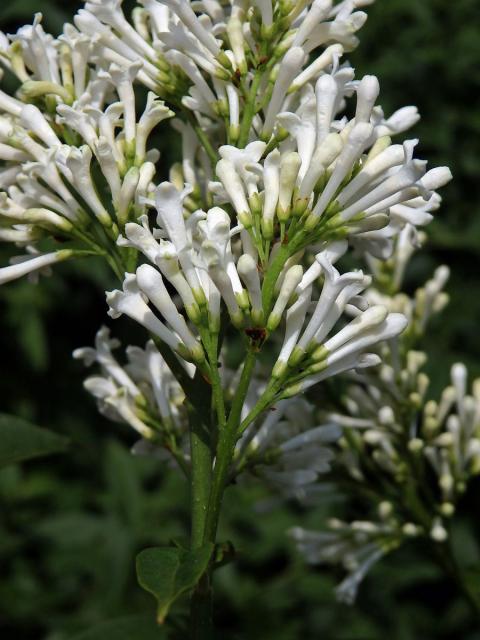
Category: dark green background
[71,525]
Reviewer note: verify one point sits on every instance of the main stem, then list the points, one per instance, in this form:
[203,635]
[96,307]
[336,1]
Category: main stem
[201,623]
[205,492]
[226,445]
[200,478]
[201,627]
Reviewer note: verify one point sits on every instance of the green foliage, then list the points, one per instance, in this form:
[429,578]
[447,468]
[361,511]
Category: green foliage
[169,572]
[21,441]
[124,629]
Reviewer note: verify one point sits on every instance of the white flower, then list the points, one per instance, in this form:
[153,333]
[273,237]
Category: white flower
[266,10]
[122,78]
[168,203]
[80,50]
[236,38]
[390,157]
[394,185]
[27,264]
[318,12]
[116,404]
[248,271]
[341,30]
[295,319]
[80,121]
[271,182]
[155,112]
[244,161]
[78,163]
[330,300]
[151,284]
[138,392]
[131,302]
[290,282]
[39,51]
[10,105]
[163,255]
[290,163]
[321,159]
[357,546]
[326,93]
[453,439]
[287,71]
[32,118]
[323,61]
[358,139]
[400,121]
[204,96]
[367,94]
[185,13]
[102,354]
[227,173]
[180,39]
[287,449]
[110,13]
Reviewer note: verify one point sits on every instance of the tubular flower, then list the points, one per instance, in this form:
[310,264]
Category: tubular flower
[142,393]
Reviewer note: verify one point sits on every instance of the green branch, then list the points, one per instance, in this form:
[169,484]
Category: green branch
[249,110]
[203,139]
[226,444]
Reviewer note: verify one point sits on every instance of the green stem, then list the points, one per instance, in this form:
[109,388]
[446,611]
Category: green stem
[448,563]
[210,343]
[205,142]
[201,623]
[225,448]
[262,404]
[200,476]
[249,110]
[180,460]
[272,274]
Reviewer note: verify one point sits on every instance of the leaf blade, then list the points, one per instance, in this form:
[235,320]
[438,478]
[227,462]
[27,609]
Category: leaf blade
[169,572]
[20,440]
[125,628]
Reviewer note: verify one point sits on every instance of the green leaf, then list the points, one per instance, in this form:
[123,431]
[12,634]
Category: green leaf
[20,440]
[168,572]
[127,628]
[124,484]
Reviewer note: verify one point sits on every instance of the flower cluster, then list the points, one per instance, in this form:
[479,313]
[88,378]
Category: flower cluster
[286,449]
[201,56]
[203,265]
[143,393]
[286,452]
[77,162]
[356,546]
[412,456]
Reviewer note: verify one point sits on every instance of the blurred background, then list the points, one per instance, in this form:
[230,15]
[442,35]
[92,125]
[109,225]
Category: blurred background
[72,524]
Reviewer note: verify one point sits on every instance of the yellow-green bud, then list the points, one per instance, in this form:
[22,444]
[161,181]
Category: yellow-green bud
[297,356]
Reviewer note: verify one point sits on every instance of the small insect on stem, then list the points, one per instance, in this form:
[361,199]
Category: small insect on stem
[256,336]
